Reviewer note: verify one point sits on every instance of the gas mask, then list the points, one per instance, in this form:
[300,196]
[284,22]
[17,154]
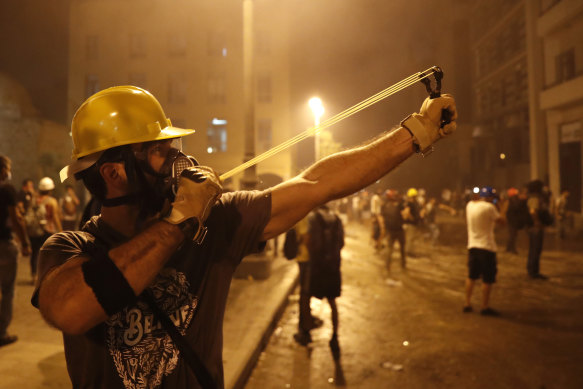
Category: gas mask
[153,196]
[168,177]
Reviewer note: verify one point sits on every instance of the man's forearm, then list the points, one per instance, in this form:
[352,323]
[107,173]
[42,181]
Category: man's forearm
[346,172]
[68,303]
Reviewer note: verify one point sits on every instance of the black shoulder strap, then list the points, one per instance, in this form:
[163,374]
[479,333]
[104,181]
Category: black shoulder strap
[200,371]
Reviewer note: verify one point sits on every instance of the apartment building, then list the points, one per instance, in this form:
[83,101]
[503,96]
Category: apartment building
[559,27]
[189,54]
[528,102]
[500,149]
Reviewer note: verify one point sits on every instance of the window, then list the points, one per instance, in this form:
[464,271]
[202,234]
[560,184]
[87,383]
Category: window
[216,134]
[216,88]
[92,47]
[176,89]
[264,88]
[216,44]
[177,45]
[565,63]
[91,85]
[137,46]
[264,134]
[138,79]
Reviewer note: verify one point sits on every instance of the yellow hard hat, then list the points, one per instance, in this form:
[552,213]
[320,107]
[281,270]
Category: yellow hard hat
[113,117]
[412,192]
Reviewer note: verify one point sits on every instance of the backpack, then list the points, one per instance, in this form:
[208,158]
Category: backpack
[35,219]
[545,217]
[291,245]
[327,239]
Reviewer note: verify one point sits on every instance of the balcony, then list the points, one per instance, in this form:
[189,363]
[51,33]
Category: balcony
[562,94]
[558,15]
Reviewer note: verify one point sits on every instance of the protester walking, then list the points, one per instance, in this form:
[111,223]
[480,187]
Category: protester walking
[517,217]
[540,217]
[393,218]
[42,219]
[10,221]
[326,239]
[412,222]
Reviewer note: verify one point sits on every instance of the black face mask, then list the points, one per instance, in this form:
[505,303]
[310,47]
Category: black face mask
[152,197]
[167,179]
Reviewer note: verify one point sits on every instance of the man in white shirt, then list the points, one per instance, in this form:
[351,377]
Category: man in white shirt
[481,215]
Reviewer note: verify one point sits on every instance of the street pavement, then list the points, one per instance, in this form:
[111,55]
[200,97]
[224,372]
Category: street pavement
[397,330]
[37,360]
[406,329]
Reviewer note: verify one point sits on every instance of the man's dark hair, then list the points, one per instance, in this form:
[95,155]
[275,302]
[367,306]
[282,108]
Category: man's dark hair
[535,187]
[91,176]
[26,181]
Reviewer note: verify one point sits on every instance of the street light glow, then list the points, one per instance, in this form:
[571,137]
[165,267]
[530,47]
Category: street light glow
[317,109]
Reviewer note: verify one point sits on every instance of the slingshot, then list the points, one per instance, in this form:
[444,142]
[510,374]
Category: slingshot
[399,86]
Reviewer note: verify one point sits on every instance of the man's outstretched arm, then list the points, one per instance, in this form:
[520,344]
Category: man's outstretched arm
[346,172]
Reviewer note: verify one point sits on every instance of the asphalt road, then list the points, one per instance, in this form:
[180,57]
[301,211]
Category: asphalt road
[407,330]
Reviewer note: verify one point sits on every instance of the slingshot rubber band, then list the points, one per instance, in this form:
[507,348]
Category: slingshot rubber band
[399,86]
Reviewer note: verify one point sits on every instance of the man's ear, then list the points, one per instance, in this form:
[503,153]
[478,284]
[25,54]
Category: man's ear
[113,174]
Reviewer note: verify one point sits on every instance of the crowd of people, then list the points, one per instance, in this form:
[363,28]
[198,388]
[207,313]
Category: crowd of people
[45,215]
[406,218]
[34,214]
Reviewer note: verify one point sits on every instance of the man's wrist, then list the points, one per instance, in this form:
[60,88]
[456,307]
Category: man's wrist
[415,124]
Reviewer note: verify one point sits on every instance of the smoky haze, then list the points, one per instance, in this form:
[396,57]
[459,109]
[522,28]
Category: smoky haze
[342,51]
[347,51]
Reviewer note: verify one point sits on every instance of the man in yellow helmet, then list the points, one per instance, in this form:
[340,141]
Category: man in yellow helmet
[140,292]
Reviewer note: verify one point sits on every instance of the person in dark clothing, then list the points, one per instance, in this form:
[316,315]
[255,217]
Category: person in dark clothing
[326,239]
[516,217]
[9,220]
[412,222]
[25,195]
[536,203]
[393,218]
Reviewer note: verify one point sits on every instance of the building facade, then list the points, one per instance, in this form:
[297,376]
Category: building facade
[528,102]
[559,27]
[189,54]
[500,154]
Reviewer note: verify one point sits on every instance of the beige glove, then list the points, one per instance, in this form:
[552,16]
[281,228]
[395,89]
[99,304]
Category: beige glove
[425,126]
[198,190]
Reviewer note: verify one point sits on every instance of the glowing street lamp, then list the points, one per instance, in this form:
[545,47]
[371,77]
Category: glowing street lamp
[317,108]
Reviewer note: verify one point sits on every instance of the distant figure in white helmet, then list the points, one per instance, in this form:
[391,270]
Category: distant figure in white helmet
[43,219]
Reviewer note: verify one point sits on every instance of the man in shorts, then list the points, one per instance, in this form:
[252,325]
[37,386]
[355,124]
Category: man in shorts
[326,239]
[481,215]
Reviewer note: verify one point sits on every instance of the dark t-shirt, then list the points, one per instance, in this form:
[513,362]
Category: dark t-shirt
[131,349]
[392,215]
[326,240]
[7,200]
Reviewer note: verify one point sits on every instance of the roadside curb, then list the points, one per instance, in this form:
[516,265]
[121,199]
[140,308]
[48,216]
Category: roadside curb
[254,357]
